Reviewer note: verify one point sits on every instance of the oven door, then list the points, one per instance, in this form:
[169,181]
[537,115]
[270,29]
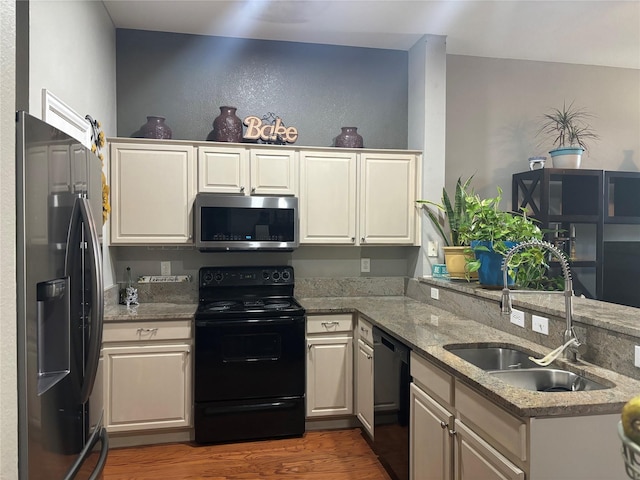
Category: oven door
[249,358]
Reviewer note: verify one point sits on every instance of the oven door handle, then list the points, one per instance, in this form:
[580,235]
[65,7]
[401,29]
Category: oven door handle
[256,407]
[250,321]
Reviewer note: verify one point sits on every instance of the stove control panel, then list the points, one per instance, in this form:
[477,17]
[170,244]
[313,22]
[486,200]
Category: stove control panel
[245,276]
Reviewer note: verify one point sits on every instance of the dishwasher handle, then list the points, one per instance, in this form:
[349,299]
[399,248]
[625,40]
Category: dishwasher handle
[393,344]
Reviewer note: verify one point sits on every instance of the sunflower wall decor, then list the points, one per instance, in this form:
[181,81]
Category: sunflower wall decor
[97,142]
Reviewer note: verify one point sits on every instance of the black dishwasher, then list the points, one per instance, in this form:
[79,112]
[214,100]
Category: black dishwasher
[391,403]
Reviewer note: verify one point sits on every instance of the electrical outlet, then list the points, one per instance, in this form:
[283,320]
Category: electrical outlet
[165,268]
[636,360]
[432,249]
[435,293]
[517,317]
[365,265]
[540,324]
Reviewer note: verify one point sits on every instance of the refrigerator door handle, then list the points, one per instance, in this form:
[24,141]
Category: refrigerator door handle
[100,435]
[82,208]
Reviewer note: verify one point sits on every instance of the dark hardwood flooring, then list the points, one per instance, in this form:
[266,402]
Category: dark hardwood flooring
[326,455]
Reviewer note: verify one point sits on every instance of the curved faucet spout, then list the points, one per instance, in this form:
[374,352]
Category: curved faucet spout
[573,345]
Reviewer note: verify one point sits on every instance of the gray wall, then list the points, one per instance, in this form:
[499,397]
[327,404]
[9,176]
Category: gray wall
[316,88]
[494,109]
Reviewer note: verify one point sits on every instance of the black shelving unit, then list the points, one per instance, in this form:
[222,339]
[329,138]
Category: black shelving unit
[586,202]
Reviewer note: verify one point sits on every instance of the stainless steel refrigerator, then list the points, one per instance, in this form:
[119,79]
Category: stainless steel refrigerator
[60,305]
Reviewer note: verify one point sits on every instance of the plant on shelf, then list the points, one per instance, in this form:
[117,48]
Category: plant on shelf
[448,219]
[491,233]
[570,132]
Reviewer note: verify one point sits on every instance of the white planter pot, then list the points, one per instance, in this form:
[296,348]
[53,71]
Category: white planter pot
[567,157]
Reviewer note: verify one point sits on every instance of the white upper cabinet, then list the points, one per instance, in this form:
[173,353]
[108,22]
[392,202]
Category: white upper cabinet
[388,214]
[248,171]
[328,197]
[353,198]
[152,191]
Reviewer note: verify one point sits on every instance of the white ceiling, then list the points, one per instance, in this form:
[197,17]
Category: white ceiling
[591,32]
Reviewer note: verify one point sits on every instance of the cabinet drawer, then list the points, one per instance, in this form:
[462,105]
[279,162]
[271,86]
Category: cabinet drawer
[365,331]
[506,432]
[431,378]
[330,323]
[146,331]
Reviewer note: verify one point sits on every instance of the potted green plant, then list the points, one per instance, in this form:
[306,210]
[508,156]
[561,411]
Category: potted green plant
[490,233]
[570,132]
[448,218]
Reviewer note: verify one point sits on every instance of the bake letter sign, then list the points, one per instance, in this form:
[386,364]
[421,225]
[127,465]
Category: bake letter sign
[269,132]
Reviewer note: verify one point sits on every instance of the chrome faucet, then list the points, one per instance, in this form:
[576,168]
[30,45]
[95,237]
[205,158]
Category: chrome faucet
[571,345]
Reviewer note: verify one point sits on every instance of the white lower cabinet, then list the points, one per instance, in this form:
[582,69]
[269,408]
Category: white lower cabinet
[329,365]
[364,386]
[430,439]
[476,459]
[147,376]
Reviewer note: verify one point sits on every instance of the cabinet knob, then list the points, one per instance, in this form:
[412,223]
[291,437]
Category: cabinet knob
[309,346]
[369,357]
[253,190]
[364,330]
[452,432]
[362,239]
[353,239]
[242,189]
[443,424]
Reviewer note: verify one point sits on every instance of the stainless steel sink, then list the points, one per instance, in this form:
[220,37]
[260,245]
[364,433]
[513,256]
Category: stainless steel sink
[548,380]
[493,358]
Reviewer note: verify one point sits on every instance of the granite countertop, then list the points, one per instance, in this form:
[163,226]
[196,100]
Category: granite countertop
[427,329]
[149,312]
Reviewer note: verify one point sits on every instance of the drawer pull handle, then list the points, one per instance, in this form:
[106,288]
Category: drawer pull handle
[443,424]
[151,331]
[330,324]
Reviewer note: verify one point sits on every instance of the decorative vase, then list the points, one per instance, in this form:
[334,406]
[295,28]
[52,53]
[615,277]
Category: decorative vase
[227,127]
[349,138]
[155,128]
[566,157]
[490,272]
[455,258]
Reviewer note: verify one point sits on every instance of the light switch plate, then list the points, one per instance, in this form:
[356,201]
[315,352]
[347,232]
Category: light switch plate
[540,324]
[517,317]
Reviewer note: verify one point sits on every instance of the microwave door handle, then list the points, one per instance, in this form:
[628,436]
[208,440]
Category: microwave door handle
[82,211]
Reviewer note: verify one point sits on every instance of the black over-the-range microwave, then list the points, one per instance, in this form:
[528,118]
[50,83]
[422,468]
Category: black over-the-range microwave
[245,223]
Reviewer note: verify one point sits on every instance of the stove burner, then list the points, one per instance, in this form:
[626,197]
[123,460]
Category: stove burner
[220,306]
[276,305]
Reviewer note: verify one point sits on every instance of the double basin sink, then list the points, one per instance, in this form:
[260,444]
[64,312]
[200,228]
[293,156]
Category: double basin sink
[514,367]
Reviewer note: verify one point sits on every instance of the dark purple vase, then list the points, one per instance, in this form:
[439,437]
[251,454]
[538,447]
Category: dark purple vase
[349,138]
[155,128]
[227,127]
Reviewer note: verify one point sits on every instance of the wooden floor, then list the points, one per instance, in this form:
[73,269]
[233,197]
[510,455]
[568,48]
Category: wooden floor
[327,455]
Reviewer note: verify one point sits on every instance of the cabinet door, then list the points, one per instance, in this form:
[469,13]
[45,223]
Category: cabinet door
[475,458]
[147,387]
[223,169]
[364,386]
[430,443]
[273,172]
[328,197]
[153,188]
[388,212]
[329,376]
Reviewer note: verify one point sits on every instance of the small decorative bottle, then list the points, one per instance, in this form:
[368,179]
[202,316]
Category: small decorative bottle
[128,294]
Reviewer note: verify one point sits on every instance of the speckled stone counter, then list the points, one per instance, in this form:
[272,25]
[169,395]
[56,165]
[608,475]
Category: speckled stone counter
[149,312]
[427,329]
